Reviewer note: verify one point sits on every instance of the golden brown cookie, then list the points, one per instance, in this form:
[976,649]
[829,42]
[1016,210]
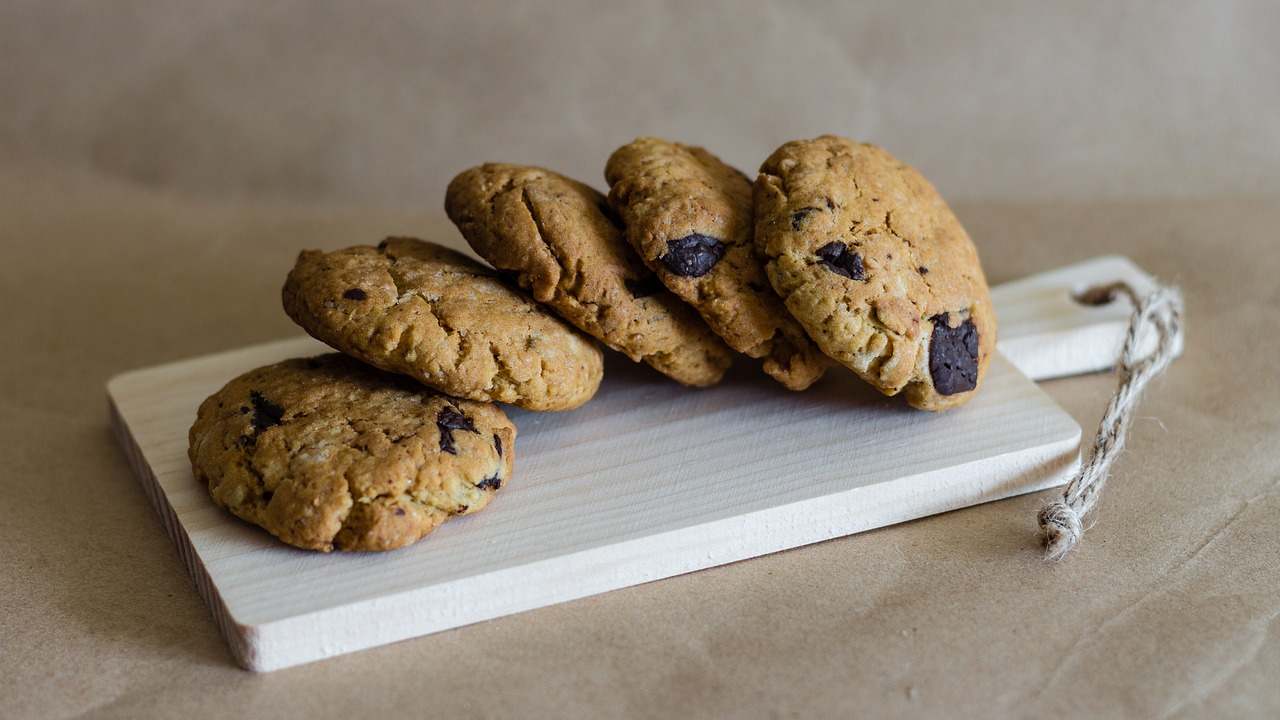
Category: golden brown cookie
[868,257]
[327,452]
[556,236]
[425,311]
[689,216]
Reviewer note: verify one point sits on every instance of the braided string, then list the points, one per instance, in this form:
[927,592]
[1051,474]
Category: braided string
[1061,522]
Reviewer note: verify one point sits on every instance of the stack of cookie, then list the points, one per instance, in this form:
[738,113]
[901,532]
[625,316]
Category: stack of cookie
[839,255]
[374,448]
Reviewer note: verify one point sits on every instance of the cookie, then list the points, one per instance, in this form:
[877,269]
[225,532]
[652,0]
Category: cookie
[689,217]
[557,238]
[425,311]
[868,257]
[327,452]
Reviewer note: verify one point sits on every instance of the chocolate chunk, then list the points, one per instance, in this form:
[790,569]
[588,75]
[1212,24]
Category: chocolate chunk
[494,482]
[922,270]
[355,294]
[497,444]
[399,511]
[953,356]
[840,260]
[692,255]
[449,420]
[265,413]
[643,287]
[798,217]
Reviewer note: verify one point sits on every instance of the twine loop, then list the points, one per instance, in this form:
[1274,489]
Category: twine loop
[1160,312]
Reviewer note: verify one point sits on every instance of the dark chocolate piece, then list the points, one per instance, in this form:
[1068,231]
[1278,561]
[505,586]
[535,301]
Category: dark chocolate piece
[953,356]
[839,259]
[265,413]
[355,294]
[692,255]
[494,482]
[798,217]
[449,420]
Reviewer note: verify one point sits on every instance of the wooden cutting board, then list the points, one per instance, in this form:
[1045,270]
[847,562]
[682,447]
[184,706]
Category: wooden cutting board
[647,481]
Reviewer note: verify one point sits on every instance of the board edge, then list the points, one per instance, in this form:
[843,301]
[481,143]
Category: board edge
[241,639]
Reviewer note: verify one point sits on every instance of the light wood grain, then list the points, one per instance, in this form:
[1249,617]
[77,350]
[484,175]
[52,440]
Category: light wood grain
[647,481]
[1046,333]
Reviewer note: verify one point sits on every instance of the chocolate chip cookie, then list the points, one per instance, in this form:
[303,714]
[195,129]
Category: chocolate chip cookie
[557,238]
[689,216]
[425,311]
[868,257]
[327,452]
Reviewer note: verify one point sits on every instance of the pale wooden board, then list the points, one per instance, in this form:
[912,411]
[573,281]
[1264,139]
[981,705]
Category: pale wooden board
[1046,333]
[647,481]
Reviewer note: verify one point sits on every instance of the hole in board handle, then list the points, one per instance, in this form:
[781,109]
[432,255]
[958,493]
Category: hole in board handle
[1094,295]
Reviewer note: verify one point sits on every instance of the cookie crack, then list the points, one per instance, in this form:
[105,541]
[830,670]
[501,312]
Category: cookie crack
[257,476]
[395,280]
[832,155]
[508,184]
[572,274]
[462,343]
[429,501]
[915,257]
[433,305]
[570,291]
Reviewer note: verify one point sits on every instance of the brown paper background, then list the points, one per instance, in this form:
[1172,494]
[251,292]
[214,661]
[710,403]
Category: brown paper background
[161,163]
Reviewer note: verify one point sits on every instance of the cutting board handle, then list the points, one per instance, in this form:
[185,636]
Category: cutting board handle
[1047,332]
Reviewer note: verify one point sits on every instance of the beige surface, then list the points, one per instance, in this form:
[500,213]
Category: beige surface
[159,180]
